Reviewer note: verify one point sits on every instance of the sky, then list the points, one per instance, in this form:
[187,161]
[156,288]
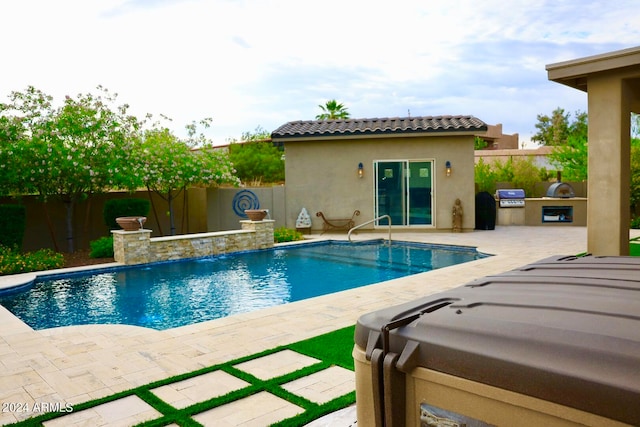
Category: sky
[263,63]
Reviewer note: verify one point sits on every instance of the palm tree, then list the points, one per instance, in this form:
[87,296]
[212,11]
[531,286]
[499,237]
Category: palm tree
[333,110]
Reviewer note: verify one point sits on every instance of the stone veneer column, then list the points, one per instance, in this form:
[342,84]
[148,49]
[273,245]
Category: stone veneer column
[264,232]
[131,247]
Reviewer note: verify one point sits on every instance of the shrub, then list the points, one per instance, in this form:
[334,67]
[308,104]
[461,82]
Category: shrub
[14,262]
[283,234]
[116,208]
[485,177]
[12,225]
[525,175]
[519,173]
[102,248]
[635,223]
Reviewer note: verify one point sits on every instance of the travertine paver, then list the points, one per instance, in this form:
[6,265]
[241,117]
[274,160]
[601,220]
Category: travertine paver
[124,412]
[258,410]
[323,386]
[82,363]
[198,389]
[346,417]
[276,364]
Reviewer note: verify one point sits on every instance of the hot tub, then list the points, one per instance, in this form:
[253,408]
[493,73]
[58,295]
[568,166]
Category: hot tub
[555,343]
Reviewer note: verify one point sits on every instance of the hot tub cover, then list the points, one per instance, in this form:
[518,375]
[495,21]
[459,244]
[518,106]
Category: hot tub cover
[565,330]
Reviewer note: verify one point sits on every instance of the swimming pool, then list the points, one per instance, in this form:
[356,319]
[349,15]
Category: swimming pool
[171,294]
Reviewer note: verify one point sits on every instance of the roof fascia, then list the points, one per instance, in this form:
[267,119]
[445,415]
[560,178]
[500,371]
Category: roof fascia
[574,73]
[432,133]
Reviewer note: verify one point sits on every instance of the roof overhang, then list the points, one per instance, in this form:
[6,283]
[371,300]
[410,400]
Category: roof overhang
[575,73]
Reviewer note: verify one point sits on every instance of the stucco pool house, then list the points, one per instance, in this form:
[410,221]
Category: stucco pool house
[412,169]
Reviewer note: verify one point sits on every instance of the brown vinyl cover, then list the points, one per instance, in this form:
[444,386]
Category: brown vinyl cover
[562,331]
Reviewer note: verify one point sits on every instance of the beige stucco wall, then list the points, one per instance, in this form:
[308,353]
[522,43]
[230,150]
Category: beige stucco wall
[88,220]
[540,156]
[222,207]
[322,176]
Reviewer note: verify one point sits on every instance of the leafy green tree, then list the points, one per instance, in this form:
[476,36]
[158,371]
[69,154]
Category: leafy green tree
[259,134]
[552,130]
[167,165]
[257,159]
[257,162]
[579,126]
[572,158]
[556,129]
[65,153]
[635,164]
[11,133]
[635,176]
[22,118]
[569,141]
[333,110]
[479,143]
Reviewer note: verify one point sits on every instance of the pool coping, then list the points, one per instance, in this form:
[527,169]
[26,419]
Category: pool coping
[26,279]
[16,283]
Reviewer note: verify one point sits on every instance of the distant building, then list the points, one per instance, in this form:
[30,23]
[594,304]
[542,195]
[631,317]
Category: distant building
[496,140]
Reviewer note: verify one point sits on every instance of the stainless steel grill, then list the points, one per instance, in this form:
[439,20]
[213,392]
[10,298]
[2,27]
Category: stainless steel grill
[510,198]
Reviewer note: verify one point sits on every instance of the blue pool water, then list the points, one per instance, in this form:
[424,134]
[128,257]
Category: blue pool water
[171,294]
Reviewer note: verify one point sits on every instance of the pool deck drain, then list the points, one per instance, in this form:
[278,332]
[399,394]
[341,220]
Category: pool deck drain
[72,365]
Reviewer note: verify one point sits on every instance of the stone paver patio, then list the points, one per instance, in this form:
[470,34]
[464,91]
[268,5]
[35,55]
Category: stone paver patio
[71,365]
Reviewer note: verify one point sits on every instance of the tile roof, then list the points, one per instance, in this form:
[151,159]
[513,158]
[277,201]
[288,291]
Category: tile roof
[377,126]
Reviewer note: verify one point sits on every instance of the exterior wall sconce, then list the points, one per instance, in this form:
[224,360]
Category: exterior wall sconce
[360,170]
[447,166]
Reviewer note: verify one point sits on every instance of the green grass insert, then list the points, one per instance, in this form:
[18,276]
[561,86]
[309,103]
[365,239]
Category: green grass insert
[333,348]
[634,247]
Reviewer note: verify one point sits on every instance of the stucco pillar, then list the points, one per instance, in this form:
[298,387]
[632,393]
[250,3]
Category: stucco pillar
[609,166]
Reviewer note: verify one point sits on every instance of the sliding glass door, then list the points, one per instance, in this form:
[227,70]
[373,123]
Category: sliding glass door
[390,190]
[404,191]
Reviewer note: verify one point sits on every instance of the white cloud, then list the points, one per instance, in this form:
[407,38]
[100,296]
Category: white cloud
[249,62]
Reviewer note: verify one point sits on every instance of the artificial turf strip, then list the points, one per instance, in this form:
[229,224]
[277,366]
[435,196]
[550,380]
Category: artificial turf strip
[329,347]
[333,349]
[634,247]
